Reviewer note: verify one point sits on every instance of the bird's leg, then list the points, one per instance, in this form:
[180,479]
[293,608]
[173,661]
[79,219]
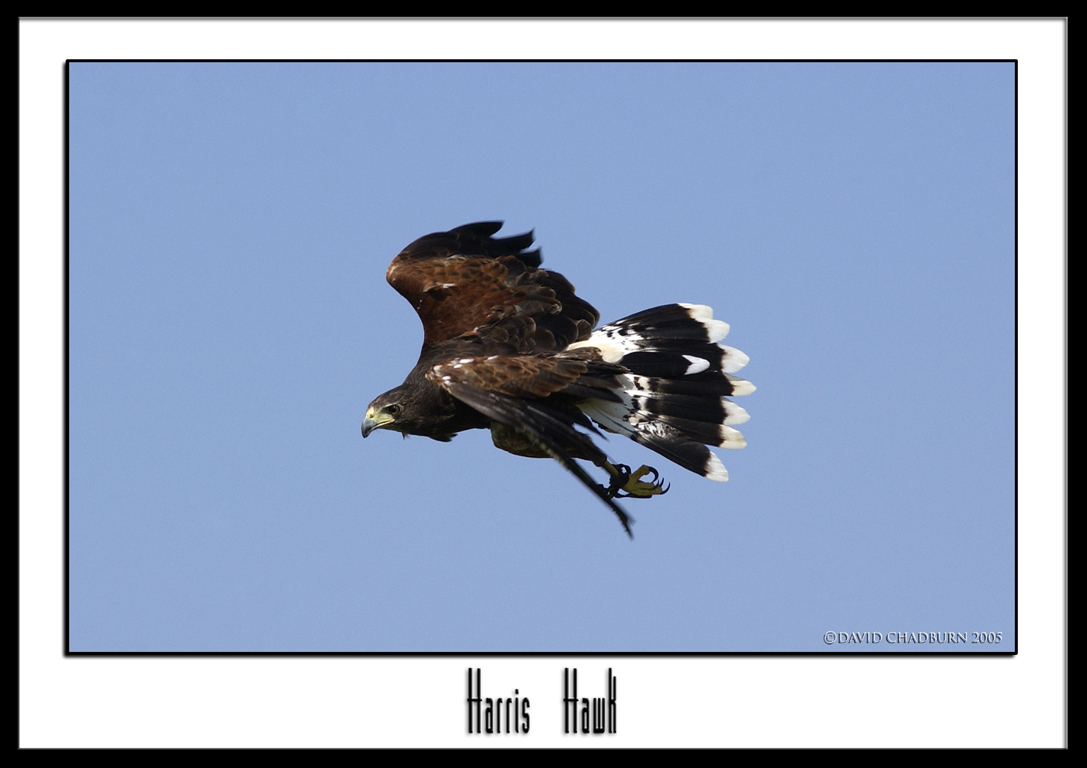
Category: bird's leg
[620,474]
[625,484]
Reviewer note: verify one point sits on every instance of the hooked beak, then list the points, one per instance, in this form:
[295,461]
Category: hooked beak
[369,423]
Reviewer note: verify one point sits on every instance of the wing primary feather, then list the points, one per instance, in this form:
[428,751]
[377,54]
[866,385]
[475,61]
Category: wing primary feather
[563,458]
[532,422]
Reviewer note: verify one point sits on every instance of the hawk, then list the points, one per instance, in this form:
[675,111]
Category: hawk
[509,347]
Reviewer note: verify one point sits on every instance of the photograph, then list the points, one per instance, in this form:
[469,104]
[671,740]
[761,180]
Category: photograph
[626,383]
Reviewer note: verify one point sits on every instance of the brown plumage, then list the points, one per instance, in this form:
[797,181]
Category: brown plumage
[509,346]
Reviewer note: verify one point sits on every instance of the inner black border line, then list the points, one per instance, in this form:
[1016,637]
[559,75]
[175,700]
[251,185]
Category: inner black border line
[830,652]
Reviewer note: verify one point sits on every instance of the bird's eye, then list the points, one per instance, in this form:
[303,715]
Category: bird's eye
[394,410]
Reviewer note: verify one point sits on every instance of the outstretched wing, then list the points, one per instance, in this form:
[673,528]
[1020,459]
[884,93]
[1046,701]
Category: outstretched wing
[511,391]
[465,282]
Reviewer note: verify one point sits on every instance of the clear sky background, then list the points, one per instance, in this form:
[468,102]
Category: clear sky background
[229,321]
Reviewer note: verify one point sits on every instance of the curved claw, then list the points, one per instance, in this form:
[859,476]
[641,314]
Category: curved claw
[631,485]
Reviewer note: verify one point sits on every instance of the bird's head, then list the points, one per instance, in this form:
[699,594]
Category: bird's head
[393,410]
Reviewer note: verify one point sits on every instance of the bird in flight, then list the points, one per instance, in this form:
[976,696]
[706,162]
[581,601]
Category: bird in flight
[508,347]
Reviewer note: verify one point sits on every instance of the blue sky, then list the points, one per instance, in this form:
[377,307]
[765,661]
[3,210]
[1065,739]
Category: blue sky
[229,321]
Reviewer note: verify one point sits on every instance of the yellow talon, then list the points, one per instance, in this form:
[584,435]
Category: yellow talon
[636,488]
[627,484]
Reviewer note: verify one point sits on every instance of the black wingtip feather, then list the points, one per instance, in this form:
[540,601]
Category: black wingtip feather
[515,245]
[480,228]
